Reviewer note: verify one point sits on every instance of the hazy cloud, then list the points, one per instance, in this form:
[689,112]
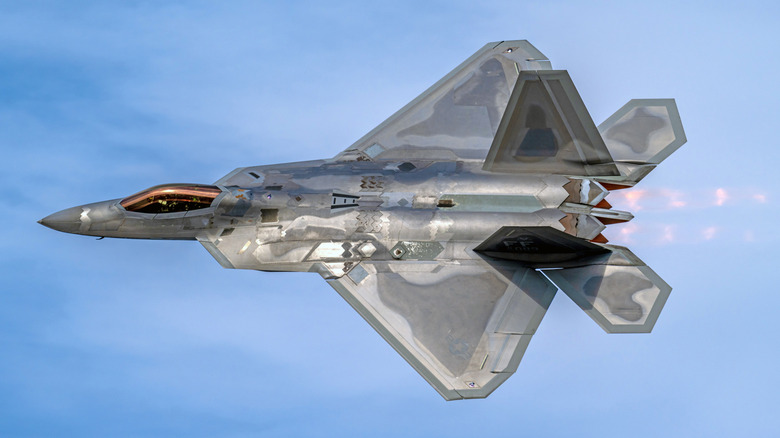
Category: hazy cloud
[721,196]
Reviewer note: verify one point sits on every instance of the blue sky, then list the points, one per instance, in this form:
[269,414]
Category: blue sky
[141,338]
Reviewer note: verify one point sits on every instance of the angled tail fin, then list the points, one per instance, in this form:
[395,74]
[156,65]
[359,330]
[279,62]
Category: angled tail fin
[640,135]
[547,129]
[618,291]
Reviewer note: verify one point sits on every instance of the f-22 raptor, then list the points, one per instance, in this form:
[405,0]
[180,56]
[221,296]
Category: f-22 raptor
[450,226]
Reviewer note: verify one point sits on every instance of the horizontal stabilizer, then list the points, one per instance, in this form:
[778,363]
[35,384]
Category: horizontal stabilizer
[641,134]
[620,292]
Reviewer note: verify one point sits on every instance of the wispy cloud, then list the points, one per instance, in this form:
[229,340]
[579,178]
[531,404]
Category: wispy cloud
[632,198]
[662,199]
[721,196]
[676,199]
[626,231]
[668,235]
[709,232]
[682,233]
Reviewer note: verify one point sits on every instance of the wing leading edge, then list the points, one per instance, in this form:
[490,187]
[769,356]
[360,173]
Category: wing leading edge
[457,117]
[464,327]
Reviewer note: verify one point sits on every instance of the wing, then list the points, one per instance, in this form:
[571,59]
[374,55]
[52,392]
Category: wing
[463,326]
[458,116]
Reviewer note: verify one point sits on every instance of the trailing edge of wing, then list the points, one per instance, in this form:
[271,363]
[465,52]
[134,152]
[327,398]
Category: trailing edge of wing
[547,129]
[464,327]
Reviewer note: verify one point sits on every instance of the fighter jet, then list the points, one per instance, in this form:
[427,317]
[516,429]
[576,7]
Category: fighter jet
[450,226]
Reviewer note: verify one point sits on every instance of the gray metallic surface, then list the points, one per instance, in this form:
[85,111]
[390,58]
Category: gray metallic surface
[641,134]
[463,326]
[547,129]
[619,292]
[436,225]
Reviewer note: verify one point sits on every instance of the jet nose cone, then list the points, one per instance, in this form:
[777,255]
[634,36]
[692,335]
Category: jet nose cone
[67,221]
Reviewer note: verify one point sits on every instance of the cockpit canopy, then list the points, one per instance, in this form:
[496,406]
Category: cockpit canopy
[171,198]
